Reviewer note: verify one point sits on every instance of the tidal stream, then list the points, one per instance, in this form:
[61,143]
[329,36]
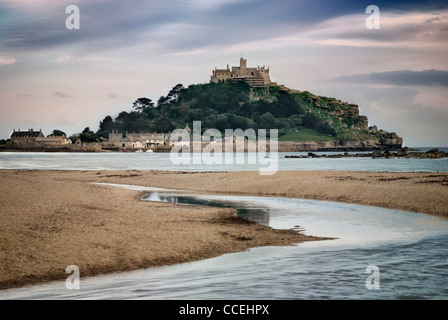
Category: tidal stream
[409,249]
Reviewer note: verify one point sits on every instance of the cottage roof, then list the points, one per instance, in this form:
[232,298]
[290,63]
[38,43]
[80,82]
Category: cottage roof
[26,134]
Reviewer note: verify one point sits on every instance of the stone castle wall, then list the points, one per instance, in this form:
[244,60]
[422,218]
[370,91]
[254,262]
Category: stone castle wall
[256,77]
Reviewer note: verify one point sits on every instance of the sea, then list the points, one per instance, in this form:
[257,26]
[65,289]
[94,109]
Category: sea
[195,162]
[376,253]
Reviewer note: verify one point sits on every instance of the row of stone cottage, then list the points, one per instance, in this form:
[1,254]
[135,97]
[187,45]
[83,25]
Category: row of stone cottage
[33,139]
[137,140]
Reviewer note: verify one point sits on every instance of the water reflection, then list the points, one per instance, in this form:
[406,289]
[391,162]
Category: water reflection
[258,213]
[352,225]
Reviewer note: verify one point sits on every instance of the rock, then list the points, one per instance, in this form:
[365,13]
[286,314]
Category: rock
[313,155]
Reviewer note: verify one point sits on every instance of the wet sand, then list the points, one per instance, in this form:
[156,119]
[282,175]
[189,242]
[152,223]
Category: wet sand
[417,192]
[52,219]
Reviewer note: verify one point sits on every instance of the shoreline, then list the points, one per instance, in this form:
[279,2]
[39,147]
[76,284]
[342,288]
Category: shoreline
[52,219]
[421,192]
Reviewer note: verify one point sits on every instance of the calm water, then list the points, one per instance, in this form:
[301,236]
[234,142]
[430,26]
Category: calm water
[162,161]
[408,248]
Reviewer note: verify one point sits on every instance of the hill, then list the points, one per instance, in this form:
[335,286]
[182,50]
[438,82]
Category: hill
[305,121]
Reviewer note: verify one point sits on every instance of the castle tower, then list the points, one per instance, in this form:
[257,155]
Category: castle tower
[243,64]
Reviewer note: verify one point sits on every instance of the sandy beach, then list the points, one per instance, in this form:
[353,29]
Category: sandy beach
[52,219]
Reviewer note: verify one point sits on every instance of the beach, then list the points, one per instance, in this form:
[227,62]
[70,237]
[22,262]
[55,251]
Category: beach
[53,219]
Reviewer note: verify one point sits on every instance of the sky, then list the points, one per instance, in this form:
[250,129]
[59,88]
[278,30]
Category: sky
[52,77]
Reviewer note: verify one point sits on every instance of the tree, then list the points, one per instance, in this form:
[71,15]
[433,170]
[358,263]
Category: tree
[267,121]
[74,137]
[162,100]
[106,127]
[288,105]
[107,124]
[121,121]
[164,124]
[58,133]
[296,120]
[87,135]
[174,94]
[150,112]
[222,123]
[238,122]
[247,109]
[142,103]
[311,120]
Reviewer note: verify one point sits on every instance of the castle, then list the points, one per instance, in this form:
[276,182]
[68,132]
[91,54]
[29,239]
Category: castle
[256,77]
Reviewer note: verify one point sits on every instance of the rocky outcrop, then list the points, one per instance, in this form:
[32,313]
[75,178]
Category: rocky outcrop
[341,145]
[401,153]
[351,128]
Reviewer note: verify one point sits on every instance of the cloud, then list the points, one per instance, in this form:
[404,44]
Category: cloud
[174,25]
[132,48]
[180,27]
[400,78]
[60,94]
[5,61]
[20,94]
[413,113]
[398,109]
[64,59]
[411,30]
[430,20]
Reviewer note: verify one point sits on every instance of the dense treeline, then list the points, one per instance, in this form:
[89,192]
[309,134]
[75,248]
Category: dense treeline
[220,106]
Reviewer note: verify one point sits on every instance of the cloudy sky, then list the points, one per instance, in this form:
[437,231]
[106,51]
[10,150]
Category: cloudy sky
[55,78]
